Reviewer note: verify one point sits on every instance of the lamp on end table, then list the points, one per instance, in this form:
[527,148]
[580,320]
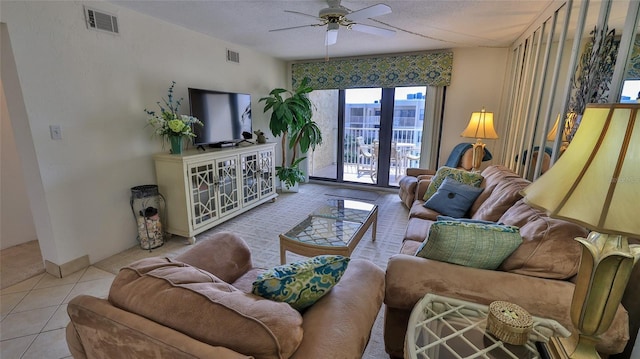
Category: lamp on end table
[480,127]
[564,137]
[596,184]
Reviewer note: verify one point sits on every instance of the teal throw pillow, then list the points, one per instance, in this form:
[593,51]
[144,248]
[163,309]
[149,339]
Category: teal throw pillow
[301,283]
[453,198]
[476,245]
[467,220]
[471,178]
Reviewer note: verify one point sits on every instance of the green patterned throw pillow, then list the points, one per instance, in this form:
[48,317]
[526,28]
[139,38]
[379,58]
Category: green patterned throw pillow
[477,245]
[301,283]
[471,178]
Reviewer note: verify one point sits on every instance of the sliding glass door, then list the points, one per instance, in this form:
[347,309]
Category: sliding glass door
[378,134]
[408,124]
[361,128]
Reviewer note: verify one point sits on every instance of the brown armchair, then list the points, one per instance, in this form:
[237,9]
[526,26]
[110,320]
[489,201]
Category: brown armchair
[418,179]
[199,304]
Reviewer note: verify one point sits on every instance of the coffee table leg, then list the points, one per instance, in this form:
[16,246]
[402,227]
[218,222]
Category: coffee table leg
[375,226]
[283,254]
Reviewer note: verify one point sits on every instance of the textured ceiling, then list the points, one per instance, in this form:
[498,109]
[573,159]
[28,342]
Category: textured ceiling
[419,25]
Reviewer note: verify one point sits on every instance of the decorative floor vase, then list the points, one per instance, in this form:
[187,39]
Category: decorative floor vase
[176,144]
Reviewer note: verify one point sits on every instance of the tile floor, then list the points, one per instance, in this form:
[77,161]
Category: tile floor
[34,312]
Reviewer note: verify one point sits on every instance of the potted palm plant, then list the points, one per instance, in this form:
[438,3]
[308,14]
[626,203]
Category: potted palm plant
[291,113]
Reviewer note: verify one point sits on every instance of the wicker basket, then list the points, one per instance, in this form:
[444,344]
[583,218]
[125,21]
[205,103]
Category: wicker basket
[509,322]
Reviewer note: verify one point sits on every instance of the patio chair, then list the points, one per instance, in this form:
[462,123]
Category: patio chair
[366,162]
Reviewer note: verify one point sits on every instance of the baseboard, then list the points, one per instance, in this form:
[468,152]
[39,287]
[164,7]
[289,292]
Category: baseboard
[65,269]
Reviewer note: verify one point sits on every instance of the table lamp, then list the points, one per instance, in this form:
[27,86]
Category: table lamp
[551,136]
[480,127]
[596,184]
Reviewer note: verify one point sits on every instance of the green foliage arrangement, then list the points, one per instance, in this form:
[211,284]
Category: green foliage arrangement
[291,118]
[168,123]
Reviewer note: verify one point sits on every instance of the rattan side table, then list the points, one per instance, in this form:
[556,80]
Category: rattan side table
[442,328]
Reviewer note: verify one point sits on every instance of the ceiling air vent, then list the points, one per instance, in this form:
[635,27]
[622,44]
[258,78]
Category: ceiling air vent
[233,56]
[99,20]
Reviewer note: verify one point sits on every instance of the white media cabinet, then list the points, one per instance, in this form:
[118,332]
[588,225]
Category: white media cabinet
[204,189]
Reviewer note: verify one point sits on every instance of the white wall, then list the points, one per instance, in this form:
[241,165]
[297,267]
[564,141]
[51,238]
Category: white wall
[16,220]
[476,81]
[95,86]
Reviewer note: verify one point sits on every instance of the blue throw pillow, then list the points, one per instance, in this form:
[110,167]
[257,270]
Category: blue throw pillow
[453,198]
[300,284]
[465,220]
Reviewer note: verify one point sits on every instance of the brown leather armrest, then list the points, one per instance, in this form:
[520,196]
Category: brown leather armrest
[339,324]
[422,188]
[415,172]
[224,255]
[425,177]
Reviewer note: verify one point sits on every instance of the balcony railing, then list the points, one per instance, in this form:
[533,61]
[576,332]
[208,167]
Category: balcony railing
[407,140]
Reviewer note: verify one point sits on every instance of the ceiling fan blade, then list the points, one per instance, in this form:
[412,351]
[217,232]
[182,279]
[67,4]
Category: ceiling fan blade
[294,27]
[369,12]
[374,30]
[303,14]
[331,37]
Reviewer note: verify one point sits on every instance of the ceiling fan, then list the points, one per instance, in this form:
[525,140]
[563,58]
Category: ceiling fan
[337,15]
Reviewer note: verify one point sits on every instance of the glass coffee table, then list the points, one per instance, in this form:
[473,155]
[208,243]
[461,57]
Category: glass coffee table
[442,328]
[335,228]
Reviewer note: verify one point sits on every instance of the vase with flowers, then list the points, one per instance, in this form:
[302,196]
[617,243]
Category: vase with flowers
[169,125]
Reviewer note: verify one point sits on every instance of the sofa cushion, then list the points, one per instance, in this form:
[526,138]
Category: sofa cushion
[466,177]
[501,190]
[418,210]
[417,229]
[548,249]
[410,247]
[200,305]
[301,283]
[475,245]
[453,198]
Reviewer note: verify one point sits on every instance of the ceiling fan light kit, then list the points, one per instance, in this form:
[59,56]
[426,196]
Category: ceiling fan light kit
[336,15]
[332,33]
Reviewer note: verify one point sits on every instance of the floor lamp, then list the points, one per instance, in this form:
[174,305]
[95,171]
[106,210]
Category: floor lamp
[596,184]
[480,127]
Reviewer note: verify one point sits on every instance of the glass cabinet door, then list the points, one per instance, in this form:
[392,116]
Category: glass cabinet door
[258,175]
[203,193]
[266,173]
[250,173]
[227,184]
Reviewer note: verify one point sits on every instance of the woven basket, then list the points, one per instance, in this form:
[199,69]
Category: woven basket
[509,322]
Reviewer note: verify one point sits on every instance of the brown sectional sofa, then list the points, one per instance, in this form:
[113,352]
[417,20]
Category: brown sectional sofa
[536,276]
[198,305]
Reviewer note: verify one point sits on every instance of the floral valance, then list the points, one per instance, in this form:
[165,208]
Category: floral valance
[432,69]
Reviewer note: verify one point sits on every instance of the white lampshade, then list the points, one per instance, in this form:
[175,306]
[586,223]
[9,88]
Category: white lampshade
[551,136]
[568,125]
[480,126]
[596,182]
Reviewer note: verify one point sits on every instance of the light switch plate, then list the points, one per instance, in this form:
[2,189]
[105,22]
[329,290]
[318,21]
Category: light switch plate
[56,132]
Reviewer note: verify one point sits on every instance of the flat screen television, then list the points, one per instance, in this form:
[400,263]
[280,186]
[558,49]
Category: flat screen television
[225,115]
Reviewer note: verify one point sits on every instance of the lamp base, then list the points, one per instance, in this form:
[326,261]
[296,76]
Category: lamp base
[478,154]
[556,348]
[570,348]
[605,267]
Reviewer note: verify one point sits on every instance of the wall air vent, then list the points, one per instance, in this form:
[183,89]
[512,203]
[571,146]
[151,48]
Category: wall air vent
[233,56]
[100,20]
